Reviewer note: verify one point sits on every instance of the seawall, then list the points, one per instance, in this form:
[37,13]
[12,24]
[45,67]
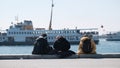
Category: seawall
[57,57]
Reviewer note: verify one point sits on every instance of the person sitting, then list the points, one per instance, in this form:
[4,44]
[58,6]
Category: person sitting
[86,45]
[62,47]
[41,45]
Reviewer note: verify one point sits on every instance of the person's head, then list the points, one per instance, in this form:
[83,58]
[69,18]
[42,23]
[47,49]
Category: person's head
[85,35]
[90,36]
[44,35]
[58,37]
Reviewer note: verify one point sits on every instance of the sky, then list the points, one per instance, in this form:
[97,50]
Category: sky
[66,13]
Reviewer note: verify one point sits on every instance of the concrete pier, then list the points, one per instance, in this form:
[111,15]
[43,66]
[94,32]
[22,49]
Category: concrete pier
[57,56]
[52,61]
[61,63]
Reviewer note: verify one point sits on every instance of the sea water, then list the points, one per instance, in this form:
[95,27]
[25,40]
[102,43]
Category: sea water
[102,47]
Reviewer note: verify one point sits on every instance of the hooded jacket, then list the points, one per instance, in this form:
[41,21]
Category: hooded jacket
[41,46]
[61,44]
[93,45]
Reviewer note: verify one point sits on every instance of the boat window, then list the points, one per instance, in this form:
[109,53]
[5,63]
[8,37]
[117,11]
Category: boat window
[35,32]
[22,32]
[81,32]
[14,33]
[19,32]
[25,32]
[87,32]
[67,31]
[84,32]
[8,32]
[30,32]
[96,32]
[74,31]
[11,32]
[48,37]
[78,31]
[59,32]
[77,38]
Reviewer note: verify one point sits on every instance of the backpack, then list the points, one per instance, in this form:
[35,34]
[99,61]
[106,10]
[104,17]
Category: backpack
[87,46]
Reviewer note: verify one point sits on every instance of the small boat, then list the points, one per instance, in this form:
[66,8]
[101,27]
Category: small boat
[113,36]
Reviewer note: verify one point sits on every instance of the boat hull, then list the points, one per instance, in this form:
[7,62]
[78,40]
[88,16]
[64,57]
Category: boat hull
[32,43]
[113,39]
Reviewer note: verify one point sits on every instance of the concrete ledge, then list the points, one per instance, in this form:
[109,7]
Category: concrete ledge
[57,57]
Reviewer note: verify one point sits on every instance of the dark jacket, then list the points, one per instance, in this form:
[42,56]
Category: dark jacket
[61,45]
[41,46]
[61,48]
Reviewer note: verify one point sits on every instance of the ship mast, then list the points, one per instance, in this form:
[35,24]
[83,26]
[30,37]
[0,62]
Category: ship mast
[16,19]
[50,24]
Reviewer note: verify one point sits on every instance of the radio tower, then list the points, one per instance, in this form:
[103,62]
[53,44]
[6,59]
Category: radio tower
[50,24]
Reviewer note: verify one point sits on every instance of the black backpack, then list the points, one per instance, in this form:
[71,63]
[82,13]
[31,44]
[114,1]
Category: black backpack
[87,46]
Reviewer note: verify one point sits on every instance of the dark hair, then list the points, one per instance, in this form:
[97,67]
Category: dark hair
[44,35]
[85,35]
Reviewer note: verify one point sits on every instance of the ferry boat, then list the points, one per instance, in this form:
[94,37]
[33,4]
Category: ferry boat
[23,33]
[115,36]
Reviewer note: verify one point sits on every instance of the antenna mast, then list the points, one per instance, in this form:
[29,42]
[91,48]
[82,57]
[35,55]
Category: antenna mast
[50,24]
[16,19]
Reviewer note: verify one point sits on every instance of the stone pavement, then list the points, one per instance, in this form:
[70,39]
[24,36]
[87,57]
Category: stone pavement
[53,61]
[61,63]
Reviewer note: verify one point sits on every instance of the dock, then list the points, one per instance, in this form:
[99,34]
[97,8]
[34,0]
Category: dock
[53,61]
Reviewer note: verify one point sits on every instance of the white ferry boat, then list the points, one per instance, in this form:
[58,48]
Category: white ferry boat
[23,33]
[115,36]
